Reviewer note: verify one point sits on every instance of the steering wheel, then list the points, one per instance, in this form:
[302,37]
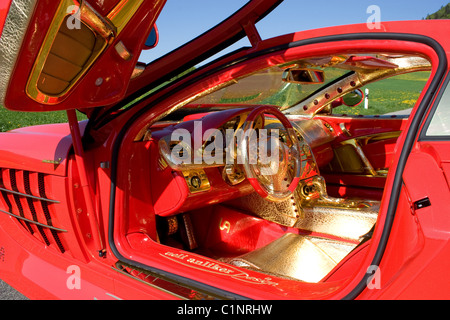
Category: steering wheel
[271,163]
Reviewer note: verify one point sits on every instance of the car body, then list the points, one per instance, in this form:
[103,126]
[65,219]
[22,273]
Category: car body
[120,207]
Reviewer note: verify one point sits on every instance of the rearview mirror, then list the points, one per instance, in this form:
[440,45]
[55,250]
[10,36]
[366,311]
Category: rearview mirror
[353,98]
[303,76]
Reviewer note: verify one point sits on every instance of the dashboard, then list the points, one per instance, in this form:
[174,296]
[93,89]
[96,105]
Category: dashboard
[195,161]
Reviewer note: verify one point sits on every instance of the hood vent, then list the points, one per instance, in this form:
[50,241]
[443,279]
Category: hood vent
[23,196]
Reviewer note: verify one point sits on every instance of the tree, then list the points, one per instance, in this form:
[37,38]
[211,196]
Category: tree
[442,13]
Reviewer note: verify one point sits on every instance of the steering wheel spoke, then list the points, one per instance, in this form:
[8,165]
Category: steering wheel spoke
[277,170]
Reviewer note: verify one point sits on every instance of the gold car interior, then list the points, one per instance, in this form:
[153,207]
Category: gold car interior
[324,229]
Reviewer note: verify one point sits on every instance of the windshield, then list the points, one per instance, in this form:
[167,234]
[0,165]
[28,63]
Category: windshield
[268,88]
[393,83]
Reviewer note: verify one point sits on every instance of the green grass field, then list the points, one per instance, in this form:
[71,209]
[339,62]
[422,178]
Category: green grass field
[13,119]
[390,95]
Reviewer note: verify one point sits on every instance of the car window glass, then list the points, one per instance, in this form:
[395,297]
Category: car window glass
[267,87]
[440,123]
[392,96]
[395,95]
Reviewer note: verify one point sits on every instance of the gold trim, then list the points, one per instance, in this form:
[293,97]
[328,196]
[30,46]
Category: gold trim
[120,267]
[138,70]
[57,162]
[96,22]
[122,51]
[87,15]
[32,90]
[172,225]
[161,283]
[357,143]
[105,30]
[196,180]
[123,13]
[321,101]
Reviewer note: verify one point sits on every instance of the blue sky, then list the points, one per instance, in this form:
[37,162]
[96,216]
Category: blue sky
[182,20]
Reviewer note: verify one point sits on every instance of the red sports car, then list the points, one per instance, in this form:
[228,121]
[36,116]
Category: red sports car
[313,165]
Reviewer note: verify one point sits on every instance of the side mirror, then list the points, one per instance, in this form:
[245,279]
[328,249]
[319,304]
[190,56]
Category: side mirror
[353,98]
[303,76]
[152,39]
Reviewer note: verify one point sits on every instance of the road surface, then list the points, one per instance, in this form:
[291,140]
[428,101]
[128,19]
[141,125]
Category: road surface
[8,293]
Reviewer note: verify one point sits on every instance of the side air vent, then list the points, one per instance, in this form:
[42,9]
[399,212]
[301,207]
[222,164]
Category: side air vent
[23,196]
